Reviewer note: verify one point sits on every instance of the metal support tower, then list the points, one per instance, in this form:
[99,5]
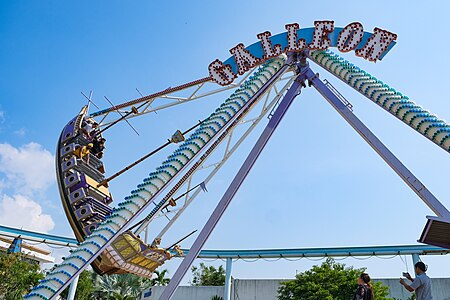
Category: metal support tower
[231,147]
[227,287]
[304,73]
[415,259]
[427,197]
[73,288]
[293,91]
[344,110]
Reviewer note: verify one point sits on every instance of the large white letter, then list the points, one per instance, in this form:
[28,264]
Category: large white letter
[320,39]
[244,59]
[221,74]
[293,45]
[350,37]
[269,52]
[376,44]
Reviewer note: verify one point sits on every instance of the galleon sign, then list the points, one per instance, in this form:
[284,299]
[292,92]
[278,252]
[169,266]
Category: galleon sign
[371,46]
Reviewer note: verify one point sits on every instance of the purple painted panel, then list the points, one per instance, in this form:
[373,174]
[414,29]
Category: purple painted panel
[85,212]
[67,149]
[71,180]
[69,164]
[89,228]
[107,200]
[77,196]
[98,206]
[81,183]
[69,130]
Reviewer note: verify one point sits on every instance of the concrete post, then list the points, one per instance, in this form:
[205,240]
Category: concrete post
[415,259]
[73,288]
[227,288]
[293,91]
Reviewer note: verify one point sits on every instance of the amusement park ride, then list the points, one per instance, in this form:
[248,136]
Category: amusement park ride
[275,70]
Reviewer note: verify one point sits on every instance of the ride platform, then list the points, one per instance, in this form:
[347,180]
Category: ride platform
[87,203]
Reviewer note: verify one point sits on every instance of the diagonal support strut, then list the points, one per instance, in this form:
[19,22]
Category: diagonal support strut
[427,197]
[293,91]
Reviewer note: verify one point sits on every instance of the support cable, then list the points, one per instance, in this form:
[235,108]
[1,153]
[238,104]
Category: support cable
[104,182]
[127,211]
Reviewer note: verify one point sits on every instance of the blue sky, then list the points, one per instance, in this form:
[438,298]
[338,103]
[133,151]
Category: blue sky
[317,184]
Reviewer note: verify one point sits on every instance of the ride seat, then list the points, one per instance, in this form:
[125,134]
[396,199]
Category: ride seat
[436,232]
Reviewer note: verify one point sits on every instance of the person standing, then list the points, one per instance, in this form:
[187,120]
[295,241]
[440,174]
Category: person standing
[421,284]
[365,289]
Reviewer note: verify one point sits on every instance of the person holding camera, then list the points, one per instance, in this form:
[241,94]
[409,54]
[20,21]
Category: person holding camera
[421,284]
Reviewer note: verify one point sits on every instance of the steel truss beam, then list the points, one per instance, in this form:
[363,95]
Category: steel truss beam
[293,91]
[130,209]
[427,197]
[38,237]
[305,74]
[226,129]
[254,253]
[272,98]
[343,108]
[324,252]
[195,91]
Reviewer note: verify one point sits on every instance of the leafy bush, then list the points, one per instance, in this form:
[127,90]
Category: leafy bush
[208,275]
[328,281]
[17,276]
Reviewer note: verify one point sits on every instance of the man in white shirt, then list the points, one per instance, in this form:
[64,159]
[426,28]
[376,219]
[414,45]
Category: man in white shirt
[421,284]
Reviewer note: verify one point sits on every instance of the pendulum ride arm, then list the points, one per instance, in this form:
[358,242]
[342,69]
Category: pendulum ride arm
[143,104]
[228,153]
[129,210]
[248,86]
[233,188]
[397,104]
[406,175]
[115,175]
[152,96]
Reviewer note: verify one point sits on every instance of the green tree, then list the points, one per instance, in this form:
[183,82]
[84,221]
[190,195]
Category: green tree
[160,278]
[380,290]
[17,276]
[328,281]
[119,287]
[85,287]
[208,275]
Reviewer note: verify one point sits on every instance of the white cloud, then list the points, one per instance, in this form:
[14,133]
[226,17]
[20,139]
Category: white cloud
[25,171]
[28,168]
[2,185]
[20,132]
[21,212]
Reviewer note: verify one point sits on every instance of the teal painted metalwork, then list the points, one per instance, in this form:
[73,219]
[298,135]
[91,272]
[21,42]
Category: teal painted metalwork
[413,115]
[156,180]
[40,236]
[256,49]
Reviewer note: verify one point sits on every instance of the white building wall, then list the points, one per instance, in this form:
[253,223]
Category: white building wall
[266,289]
[251,289]
[440,290]
[185,292]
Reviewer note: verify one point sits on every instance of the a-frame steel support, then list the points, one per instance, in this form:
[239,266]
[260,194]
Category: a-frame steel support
[430,200]
[306,74]
[293,91]
[437,228]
